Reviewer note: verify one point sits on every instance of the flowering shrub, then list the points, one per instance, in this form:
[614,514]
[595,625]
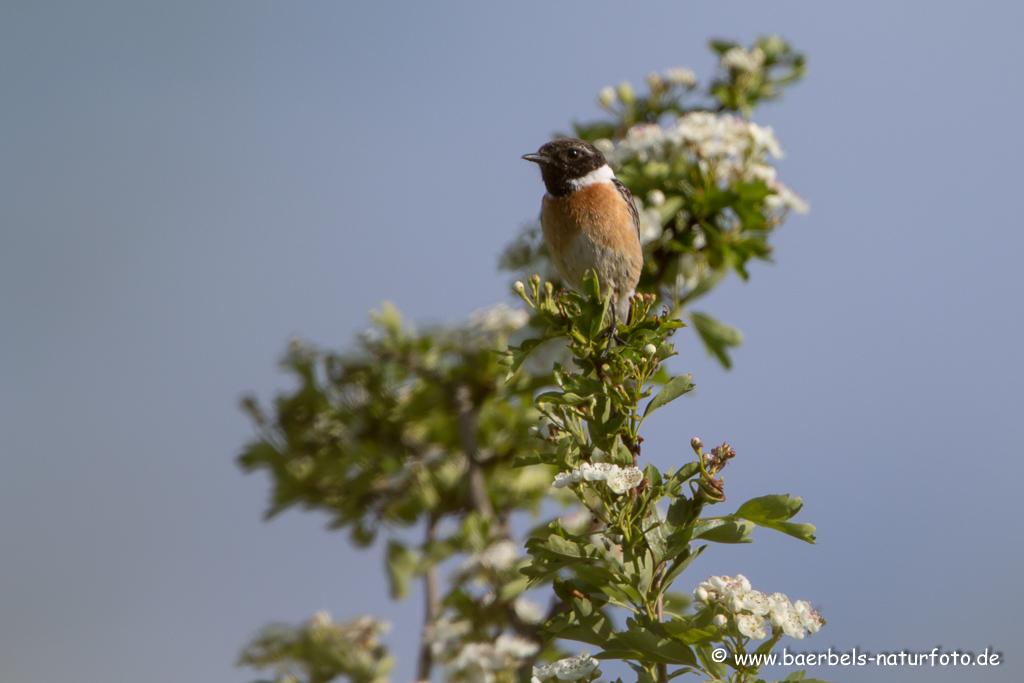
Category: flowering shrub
[455,430]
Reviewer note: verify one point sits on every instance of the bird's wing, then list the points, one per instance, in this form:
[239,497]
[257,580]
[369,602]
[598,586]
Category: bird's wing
[633,213]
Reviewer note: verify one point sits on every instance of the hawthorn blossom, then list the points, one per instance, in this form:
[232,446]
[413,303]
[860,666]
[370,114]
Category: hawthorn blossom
[619,479]
[751,611]
[569,669]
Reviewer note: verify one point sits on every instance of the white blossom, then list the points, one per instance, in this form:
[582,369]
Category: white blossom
[321,619]
[650,223]
[756,602]
[626,93]
[528,610]
[445,635]
[514,648]
[618,479]
[598,471]
[732,598]
[498,556]
[477,662]
[740,59]
[681,76]
[625,479]
[500,318]
[763,140]
[605,146]
[569,669]
[751,625]
[809,619]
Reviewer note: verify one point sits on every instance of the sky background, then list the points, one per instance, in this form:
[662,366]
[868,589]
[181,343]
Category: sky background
[184,188]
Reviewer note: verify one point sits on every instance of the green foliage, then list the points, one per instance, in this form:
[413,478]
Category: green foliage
[454,430]
[775,65]
[702,174]
[321,650]
[378,436]
[629,557]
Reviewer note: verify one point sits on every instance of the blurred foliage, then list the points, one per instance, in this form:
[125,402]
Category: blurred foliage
[454,430]
[387,433]
[321,650]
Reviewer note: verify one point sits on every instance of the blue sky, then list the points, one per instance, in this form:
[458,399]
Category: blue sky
[184,188]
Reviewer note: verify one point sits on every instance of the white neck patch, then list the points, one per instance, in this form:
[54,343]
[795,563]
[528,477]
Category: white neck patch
[599,175]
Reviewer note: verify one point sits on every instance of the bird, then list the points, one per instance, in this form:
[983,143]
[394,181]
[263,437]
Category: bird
[589,220]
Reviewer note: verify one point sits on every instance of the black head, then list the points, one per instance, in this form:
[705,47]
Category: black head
[564,160]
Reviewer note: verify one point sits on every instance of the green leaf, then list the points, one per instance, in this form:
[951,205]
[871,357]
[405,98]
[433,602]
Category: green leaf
[676,387]
[798,677]
[524,459]
[771,507]
[717,336]
[517,355]
[724,530]
[584,622]
[655,644]
[401,564]
[560,398]
[689,633]
[680,564]
[388,318]
[773,511]
[710,664]
[710,279]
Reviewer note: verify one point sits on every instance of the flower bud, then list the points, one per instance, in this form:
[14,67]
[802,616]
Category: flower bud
[650,349]
[696,444]
[518,287]
[626,93]
[606,98]
[711,490]
[681,76]
[655,197]
[720,620]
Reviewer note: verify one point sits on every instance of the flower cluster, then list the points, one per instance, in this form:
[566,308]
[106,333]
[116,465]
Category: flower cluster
[499,318]
[751,611]
[361,632]
[475,661]
[486,328]
[479,662]
[497,558]
[569,669]
[725,145]
[322,649]
[666,85]
[619,479]
[740,60]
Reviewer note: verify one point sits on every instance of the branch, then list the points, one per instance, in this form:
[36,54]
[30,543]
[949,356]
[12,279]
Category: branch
[467,436]
[431,608]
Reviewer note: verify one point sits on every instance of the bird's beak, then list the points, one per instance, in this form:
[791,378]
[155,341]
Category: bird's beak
[537,158]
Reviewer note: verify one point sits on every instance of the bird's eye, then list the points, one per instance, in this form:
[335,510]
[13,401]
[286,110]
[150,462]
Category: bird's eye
[573,153]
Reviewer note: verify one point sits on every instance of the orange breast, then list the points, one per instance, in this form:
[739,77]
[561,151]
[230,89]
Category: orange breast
[593,229]
[597,211]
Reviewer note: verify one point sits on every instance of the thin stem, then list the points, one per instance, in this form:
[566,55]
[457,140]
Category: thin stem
[431,608]
[467,436]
